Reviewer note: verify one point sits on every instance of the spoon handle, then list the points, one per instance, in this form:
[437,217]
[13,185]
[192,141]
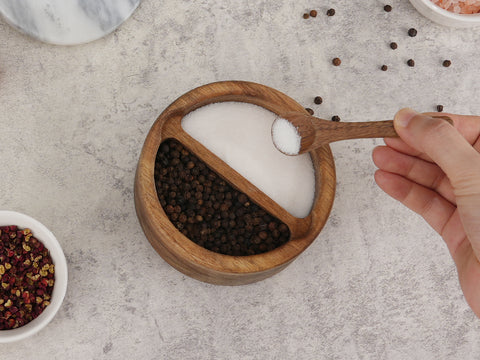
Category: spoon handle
[327,132]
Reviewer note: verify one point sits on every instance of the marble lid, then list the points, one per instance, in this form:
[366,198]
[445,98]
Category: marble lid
[67,22]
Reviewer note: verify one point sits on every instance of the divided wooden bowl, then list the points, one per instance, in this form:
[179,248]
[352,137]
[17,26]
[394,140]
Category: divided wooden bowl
[192,259]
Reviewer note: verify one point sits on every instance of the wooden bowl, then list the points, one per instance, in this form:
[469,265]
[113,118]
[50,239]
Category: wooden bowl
[192,259]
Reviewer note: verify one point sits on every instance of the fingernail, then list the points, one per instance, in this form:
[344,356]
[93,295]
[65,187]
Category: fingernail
[403,117]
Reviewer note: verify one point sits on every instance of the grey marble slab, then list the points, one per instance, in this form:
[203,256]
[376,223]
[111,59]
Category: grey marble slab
[67,22]
[377,283]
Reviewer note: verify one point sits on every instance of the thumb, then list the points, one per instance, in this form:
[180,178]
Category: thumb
[440,141]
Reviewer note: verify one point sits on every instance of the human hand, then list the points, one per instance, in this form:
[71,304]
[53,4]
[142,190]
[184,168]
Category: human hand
[434,169]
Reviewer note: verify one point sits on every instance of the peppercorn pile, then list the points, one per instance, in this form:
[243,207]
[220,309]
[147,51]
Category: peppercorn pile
[26,277]
[209,211]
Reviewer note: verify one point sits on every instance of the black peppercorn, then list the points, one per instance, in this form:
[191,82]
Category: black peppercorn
[331,12]
[387,8]
[439,108]
[384,68]
[210,212]
[336,61]
[310,111]
[393,45]
[336,118]
[412,32]
[318,100]
[306,16]
[313,13]
[446,63]
[411,63]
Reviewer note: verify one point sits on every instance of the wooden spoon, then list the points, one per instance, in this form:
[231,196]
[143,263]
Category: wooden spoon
[296,133]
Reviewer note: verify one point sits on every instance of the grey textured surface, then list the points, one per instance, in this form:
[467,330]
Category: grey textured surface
[378,283]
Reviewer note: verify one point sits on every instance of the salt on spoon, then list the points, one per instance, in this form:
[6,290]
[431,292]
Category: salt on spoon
[296,133]
[286,137]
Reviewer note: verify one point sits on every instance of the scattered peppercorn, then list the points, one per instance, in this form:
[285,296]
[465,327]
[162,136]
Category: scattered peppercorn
[393,45]
[447,63]
[336,61]
[313,13]
[331,12]
[384,68]
[412,32]
[411,63]
[310,111]
[210,212]
[306,16]
[336,118]
[27,276]
[439,108]
[318,100]
[387,8]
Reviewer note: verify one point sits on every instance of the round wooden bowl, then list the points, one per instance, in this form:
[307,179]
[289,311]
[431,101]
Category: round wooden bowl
[192,259]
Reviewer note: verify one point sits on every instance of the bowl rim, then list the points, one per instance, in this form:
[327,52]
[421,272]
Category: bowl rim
[43,234]
[468,18]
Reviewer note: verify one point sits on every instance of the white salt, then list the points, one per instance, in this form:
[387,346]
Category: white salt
[240,134]
[285,137]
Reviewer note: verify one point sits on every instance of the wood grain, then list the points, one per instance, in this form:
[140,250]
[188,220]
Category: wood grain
[316,132]
[192,259]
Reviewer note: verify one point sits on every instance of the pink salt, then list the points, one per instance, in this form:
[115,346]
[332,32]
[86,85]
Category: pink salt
[459,6]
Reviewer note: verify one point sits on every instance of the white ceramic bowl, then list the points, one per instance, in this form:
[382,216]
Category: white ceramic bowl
[61,275]
[444,17]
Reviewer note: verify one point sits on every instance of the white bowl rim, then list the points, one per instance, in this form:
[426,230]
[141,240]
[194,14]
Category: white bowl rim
[41,232]
[469,18]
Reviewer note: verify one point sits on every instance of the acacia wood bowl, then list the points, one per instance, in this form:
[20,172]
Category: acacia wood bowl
[192,259]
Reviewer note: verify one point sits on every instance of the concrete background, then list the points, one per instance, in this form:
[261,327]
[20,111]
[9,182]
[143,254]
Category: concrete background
[378,283]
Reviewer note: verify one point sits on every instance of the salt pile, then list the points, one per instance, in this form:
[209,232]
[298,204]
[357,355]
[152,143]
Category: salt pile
[459,6]
[241,135]
[286,137]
